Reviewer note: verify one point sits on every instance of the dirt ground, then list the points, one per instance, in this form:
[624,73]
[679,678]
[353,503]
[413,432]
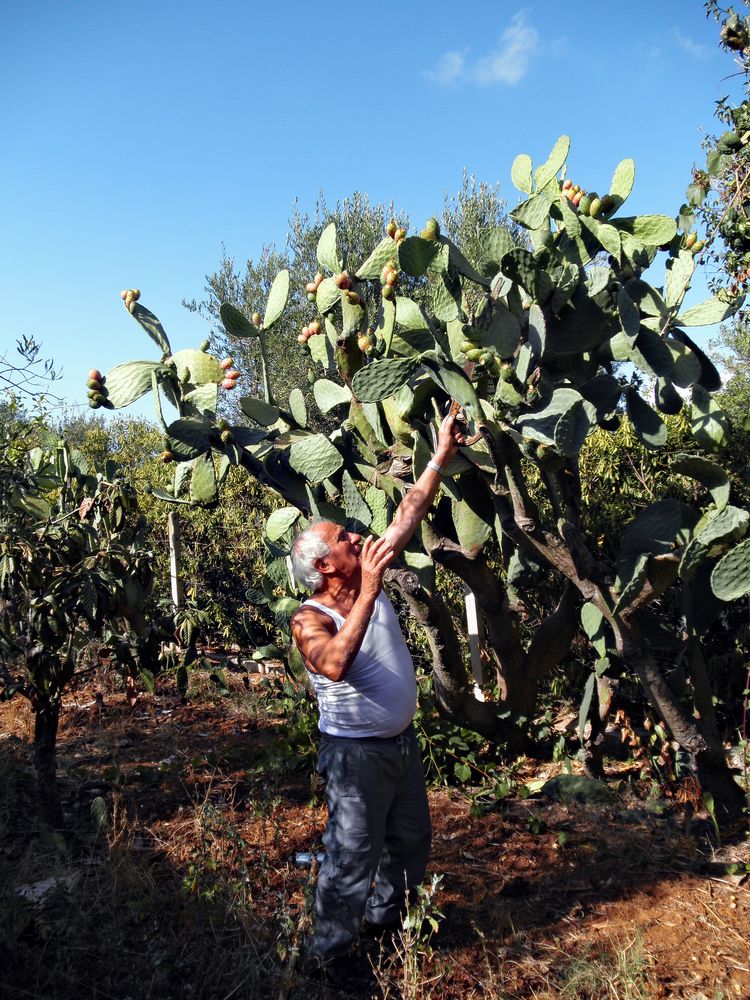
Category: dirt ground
[190,886]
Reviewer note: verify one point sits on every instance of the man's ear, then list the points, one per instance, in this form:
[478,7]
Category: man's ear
[323,565]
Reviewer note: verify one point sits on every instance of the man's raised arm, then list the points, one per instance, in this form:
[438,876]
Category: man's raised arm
[417,501]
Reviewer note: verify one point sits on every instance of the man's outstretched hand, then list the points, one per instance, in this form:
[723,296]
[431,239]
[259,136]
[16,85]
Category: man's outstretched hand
[450,437]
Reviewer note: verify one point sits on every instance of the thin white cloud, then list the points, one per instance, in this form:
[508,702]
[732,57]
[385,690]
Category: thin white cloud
[449,69]
[507,63]
[695,49]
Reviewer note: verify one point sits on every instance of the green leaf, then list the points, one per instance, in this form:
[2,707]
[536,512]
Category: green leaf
[409,315]
[623,179]
[236,323]
[571,429]
[280,521]
[503,333]
[521,173]
[357,512]
[386,252]
[711,475]
[630,318]
[686,368]
[649,427]
[198,367]
[678,278]
[327,252]
[730,578]
[329,394]
[607,236]
[714,310]
[297,407]
[382,378]
[635,583]
[188,437]
[532,213]
[315,458]
[277,299]
[258,410]
[152,326]
[415,255]
[555,162]
[650,230]
[583,714]
[708,422]
[129,381]
[203,480]
[328,296]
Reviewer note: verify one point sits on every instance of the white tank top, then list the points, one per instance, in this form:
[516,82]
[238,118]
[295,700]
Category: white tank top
[378,695]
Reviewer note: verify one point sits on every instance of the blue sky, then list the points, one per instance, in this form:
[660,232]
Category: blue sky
[139,138]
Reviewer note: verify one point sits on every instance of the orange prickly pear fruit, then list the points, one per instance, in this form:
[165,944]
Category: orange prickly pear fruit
[228,383]
[95,375]
[690,240]
[343,281]
[314,327]
[391,229]
[255,319]
[311,287]
[167,455]
[567,184]
[227,363]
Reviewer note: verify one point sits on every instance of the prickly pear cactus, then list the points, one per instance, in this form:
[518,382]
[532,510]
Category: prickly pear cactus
[536,342]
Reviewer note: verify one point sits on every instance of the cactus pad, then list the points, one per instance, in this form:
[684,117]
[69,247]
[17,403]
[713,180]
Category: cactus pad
[277,299]
[236,323]
[382,378]
[327,251]
[188,437]
[714,310]
[708,421]
[358,514]
[730,578]
[280,521]
[329,394]
[203,480]
[386,252]
[152,326]
[128,382]
[261,412]
[521,173]
[647,424]
[198,367]
[315,458]
[415,255]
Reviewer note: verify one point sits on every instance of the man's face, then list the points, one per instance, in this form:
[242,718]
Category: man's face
[344,546]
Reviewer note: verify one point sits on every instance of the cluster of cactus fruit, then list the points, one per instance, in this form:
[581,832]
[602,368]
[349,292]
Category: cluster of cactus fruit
[97,391]
[534,361]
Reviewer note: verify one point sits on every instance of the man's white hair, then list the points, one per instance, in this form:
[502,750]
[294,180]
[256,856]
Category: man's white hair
[308,547]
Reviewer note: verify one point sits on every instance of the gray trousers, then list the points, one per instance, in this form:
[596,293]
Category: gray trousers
[378,829]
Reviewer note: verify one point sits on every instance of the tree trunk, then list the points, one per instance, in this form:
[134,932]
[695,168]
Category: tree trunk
[707,759]
[47,715]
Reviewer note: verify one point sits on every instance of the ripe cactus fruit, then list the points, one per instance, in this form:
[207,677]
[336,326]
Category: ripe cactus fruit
[301,338]
[343,281]
[256,319]
[95,376]
[431,230]
[353,298]
[314,327]
[690,240]
[232,375]
[228,383]
[311,287]
[365,343]
[167,455]
[227,363]
[400,235]
[567,184]
[391,229]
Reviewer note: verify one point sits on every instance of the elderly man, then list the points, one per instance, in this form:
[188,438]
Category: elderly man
[348,634]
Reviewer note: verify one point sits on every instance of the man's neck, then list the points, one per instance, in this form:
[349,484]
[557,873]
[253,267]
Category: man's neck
[338,594]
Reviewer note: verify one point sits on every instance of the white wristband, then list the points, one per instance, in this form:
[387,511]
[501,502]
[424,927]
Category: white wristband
[433,465]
